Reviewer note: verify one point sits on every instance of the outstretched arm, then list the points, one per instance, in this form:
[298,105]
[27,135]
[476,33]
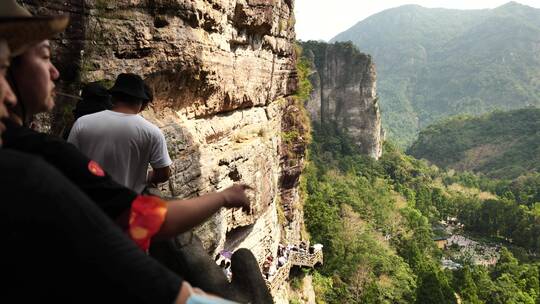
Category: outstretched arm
[183,215]
[87,255]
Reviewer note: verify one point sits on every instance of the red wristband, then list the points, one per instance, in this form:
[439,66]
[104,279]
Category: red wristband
[146,218]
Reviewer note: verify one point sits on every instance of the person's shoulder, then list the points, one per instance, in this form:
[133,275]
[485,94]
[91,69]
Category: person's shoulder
[144,120]
[20,160]
[93,117]
[148,125]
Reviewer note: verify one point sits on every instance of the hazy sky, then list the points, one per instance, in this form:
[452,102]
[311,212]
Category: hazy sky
[324,19]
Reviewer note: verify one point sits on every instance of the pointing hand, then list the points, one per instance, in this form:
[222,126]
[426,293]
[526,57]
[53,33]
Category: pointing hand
[235,196]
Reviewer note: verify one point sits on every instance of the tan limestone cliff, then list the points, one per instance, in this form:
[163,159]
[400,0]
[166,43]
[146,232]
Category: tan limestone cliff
[222,72]
[345,93]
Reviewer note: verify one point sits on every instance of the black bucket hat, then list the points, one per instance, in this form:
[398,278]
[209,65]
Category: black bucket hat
[131,85]
[94,90]
[95,98]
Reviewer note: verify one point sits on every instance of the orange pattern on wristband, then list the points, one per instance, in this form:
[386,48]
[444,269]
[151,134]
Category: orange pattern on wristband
[145,219]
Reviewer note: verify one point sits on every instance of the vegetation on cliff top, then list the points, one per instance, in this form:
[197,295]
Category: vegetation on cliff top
[303,68]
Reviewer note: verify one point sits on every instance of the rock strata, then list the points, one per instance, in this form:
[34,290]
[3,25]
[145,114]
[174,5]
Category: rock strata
[219,70]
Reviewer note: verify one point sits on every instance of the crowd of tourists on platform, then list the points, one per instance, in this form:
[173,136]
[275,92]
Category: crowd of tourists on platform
[223,259]
[271,265]
[77,225]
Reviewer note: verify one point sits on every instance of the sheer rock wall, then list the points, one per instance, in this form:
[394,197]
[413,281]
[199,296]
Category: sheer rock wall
[222,72]
[345,93]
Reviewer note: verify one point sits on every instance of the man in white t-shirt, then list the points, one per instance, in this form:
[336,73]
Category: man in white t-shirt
[123,142]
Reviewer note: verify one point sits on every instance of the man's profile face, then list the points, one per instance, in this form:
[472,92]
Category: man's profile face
[34,76]
[7,97]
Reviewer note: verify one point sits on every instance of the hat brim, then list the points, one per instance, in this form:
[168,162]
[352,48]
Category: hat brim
[21,32]
[115,90]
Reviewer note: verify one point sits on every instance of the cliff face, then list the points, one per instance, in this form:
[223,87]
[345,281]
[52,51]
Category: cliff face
[344,92]
[222,72]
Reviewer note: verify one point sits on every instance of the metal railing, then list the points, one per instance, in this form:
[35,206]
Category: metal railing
[296,258]
[305,259]
[282,274]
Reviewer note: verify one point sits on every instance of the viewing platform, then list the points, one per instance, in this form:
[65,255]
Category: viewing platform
[296,258]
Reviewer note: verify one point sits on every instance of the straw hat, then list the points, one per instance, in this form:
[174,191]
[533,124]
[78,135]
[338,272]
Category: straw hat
[20,29]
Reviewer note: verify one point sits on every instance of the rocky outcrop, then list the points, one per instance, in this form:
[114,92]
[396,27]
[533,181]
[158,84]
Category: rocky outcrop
[304,293]
[344,93]
[295,128]
[222,73]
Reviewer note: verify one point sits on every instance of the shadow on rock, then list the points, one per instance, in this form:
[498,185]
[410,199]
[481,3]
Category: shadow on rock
[186,256]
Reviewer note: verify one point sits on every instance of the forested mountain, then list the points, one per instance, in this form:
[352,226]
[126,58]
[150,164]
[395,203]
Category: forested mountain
[376,218]
[499,144]
[433,63]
